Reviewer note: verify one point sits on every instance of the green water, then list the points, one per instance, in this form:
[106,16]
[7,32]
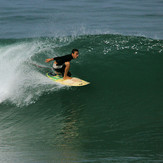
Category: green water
[117,118]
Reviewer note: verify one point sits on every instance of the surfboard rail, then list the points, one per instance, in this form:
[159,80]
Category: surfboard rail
[69,82]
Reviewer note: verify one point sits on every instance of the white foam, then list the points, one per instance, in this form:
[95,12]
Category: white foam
[20,83]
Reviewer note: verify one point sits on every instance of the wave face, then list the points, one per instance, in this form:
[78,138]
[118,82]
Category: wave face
[131,59]
[117,117]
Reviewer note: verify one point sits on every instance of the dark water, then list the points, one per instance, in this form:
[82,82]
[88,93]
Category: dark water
[117,118]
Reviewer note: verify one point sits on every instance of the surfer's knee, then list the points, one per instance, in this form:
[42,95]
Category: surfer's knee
[67,64]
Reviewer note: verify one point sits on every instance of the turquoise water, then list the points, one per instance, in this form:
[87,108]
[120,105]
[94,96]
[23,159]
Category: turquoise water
[117,118]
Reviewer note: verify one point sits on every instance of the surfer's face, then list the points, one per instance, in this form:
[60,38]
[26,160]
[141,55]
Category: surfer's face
[75,54]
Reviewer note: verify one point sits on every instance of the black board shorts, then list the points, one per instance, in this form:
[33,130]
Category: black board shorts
[61,70]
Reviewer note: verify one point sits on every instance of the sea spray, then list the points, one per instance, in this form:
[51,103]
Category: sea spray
[20,82]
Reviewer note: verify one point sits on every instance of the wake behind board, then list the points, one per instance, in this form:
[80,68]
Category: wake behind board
[70,82]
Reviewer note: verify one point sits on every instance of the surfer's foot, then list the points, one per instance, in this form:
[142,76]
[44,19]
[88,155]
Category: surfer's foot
[58,73]
[52,74]
[67,77]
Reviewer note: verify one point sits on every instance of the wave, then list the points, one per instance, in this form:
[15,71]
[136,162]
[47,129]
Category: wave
[22,83]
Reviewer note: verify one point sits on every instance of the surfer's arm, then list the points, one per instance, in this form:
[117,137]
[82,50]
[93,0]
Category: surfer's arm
[49,59]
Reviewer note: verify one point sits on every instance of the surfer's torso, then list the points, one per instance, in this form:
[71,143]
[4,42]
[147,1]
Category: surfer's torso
[61,60]
[59,63]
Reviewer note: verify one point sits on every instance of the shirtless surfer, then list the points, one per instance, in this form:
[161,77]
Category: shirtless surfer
[62,64]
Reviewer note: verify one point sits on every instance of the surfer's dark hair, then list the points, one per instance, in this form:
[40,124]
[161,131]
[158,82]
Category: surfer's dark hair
[75,50]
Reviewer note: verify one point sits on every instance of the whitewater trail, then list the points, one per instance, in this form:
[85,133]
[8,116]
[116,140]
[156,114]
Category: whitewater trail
[20,83]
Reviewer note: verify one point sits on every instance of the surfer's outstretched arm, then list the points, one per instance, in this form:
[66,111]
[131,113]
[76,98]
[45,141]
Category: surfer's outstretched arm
[49,59]
[67,64]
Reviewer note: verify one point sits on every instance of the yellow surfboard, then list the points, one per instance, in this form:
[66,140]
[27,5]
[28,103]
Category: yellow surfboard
[70,82]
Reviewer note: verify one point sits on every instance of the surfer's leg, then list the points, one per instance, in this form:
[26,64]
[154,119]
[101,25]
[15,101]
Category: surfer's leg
[62,71]
[53,72]
[66,69]
[56,71]
[68,74]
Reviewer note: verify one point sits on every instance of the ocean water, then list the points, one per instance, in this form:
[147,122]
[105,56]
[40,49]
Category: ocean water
[118,117]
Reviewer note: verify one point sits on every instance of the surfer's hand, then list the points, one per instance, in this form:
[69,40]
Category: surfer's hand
[47,60]
[67,77]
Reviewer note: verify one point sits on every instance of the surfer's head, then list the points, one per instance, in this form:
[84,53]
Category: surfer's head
[75,53]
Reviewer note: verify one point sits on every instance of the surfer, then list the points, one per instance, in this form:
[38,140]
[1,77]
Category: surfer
[62,64]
